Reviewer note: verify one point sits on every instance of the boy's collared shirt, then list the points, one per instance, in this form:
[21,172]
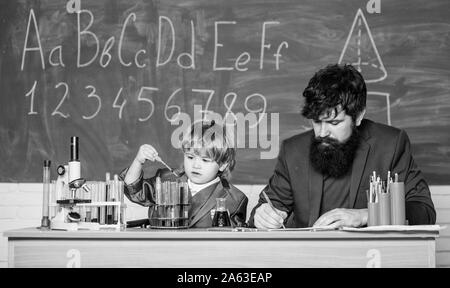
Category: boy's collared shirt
[194,188]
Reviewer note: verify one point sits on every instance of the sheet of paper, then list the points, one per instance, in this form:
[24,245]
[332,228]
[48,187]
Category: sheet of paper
[381,228]
[317,228]
[387,228]
[242,229]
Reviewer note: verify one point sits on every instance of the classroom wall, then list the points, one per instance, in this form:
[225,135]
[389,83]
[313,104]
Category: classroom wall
[21,206]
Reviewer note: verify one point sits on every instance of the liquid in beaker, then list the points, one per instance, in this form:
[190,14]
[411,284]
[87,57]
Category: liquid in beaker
[221,215]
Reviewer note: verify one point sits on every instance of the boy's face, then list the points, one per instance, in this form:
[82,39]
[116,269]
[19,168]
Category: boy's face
[200,169]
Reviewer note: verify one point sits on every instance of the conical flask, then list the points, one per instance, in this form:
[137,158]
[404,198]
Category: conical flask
[221,215]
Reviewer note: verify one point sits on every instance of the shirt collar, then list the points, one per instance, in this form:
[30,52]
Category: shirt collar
[194,188]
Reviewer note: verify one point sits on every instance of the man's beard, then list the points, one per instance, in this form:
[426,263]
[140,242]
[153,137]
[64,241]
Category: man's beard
[335,159]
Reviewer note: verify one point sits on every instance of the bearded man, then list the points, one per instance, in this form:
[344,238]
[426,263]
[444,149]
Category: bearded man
[321,176]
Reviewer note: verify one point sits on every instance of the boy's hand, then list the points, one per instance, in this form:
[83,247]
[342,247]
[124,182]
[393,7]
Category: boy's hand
[146,152]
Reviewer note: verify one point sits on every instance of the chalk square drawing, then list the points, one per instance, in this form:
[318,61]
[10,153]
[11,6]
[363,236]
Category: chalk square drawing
[374,110]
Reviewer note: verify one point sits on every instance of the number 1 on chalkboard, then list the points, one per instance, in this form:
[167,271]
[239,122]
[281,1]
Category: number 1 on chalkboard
[31,94]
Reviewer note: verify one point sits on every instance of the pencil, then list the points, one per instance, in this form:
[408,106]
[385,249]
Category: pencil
[271,205]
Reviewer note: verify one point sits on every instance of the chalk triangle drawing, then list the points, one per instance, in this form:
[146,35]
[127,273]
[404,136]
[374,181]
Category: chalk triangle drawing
[360,51]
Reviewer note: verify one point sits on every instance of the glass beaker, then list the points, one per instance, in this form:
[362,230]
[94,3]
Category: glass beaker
[171,209]
[221,215]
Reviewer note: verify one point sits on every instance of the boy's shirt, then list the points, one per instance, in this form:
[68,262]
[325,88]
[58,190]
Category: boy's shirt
[194,188]
[202,202]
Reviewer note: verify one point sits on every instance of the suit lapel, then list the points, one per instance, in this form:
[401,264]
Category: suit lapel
[357,170]
[204,201]
[315,194]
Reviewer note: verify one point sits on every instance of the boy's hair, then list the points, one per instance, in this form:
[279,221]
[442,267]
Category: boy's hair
[211,138]
[332,86]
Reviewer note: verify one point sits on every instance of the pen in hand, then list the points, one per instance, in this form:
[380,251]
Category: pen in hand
[271,206]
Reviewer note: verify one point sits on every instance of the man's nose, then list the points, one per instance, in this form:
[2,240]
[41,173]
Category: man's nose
[324,132]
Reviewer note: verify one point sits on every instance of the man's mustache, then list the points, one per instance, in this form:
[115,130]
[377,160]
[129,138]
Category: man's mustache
[327,140]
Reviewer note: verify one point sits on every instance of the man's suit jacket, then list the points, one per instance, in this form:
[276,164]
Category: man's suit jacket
[296,187]
[142,192]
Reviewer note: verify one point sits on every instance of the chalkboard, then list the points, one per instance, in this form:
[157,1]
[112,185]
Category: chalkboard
[115,72]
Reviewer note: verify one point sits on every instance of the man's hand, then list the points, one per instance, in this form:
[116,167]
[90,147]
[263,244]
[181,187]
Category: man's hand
[343,218]
[146,152]
[268,218]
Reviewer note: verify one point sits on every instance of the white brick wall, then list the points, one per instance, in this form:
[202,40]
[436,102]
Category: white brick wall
[21,206]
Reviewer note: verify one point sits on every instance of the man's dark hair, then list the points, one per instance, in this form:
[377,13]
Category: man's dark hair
[332,86]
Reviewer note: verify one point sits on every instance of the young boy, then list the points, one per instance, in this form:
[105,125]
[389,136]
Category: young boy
[208,162]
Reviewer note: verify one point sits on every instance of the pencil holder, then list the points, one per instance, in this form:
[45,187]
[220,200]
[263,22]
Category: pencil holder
[397,191]
[373,211]
[385,209]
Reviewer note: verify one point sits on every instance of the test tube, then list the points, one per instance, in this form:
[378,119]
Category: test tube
[158,191]
[45,222]
[177,192]
[94,216]
[122,218]
[121,195]
[102,198]
[180,200]
[186,193]
[165,198]
[82,211]
[173,192]
[115,198]
[52,200]
[88,214]
[89,197]
[181,192]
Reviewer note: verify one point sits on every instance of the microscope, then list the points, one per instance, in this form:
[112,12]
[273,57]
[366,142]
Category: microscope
[67,218]
[81,205]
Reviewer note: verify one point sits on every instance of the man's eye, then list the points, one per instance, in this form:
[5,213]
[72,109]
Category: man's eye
[190,157]
[335,123]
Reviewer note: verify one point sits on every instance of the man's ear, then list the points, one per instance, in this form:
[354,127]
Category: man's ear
[360,117]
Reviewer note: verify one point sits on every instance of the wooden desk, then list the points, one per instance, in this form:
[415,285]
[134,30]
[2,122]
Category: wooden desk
[32,247]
